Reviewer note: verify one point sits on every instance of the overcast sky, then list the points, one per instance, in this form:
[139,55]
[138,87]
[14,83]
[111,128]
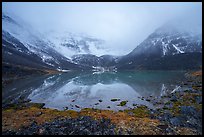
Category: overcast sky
[122,25]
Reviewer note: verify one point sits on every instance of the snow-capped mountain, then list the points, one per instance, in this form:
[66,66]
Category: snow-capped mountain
[69,44]
[22,45]
[168,40]
[165,48]
[60,51]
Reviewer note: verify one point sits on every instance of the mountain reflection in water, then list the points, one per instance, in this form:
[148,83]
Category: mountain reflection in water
[76,90]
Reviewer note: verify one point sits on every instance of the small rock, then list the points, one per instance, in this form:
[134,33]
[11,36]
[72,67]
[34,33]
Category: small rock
[38,114]
[166,117]
[188,110]
[173,98]
[163,127]
[41,131]
[148,100]
[115,99]
[27,100]
[77,106]
[134,104]
[65,108]
[192,122]
[122,103]
[100,100]
[198,99]
[175,121]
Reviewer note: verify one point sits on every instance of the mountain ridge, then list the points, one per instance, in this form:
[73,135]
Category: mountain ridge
[22,47]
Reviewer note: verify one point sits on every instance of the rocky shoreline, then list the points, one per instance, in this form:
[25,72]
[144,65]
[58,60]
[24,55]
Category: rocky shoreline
[176,113]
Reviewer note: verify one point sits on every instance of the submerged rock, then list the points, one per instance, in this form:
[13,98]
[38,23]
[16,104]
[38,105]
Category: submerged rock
[115,99]
[123,103]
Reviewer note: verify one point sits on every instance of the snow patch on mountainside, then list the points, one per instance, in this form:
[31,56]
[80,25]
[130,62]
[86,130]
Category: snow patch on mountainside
[27,36]
[69,44]
[164,48]
[62,70]
[180,51]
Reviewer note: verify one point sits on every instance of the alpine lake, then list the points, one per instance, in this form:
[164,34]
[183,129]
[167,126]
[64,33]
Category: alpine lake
[108,90]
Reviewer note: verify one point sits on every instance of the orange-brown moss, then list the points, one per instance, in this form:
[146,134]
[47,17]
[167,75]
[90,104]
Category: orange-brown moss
[197,73]
[15,119]
[139,125]
[136,120]
[141,111]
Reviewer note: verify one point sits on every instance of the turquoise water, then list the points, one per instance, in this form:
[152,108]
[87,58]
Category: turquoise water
[76,90]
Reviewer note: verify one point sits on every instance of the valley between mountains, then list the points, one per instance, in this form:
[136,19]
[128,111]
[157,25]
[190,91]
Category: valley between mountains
[164,49]
[68,84]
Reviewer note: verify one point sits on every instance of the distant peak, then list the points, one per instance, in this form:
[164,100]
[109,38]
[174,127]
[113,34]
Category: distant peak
[181,25]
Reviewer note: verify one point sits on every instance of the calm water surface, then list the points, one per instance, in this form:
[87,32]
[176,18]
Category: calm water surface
[87,88]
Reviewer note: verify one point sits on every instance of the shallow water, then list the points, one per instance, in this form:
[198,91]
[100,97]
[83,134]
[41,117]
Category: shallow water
[85,89]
